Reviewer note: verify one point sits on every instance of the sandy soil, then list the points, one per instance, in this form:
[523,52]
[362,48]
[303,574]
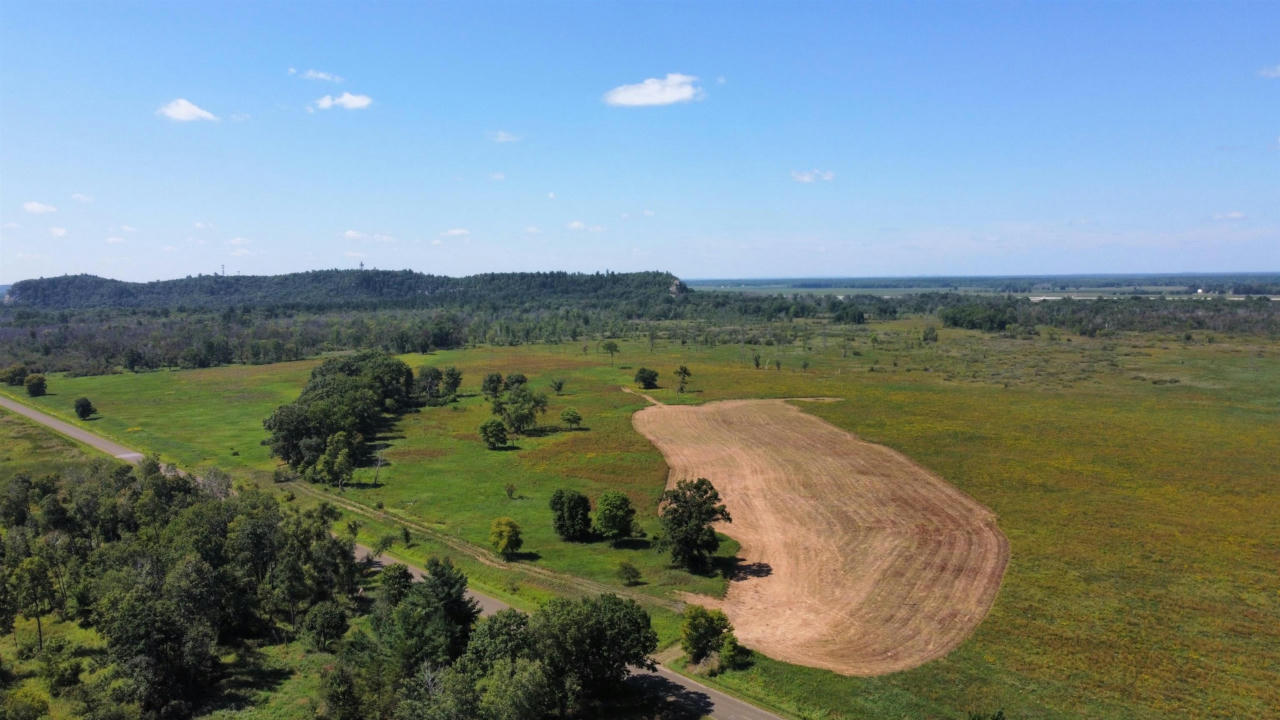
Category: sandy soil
[857,560]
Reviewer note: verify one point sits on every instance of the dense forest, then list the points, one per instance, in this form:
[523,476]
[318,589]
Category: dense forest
[89,325]
[171,573]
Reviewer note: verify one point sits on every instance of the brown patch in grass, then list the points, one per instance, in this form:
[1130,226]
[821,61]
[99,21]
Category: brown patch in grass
[874,564]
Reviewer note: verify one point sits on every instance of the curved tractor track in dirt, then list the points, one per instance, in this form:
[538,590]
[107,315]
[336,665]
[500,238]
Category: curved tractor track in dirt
[859,561]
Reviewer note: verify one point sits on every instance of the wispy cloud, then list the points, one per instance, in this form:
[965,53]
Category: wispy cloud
[346,100]
[674,88]
[455,232]
[127,228]
[1271,73]
[502,136]
[58,232]
[115,240]
[374,237]
[532,230]
[38,208]
[648,213]
[808,176]
[238,241]
[551,196]
[353,254]
[202,225]
[577,225]
[241,252]
[81,197]
[498,176]
[1232,215]
[183,110]
[316,75]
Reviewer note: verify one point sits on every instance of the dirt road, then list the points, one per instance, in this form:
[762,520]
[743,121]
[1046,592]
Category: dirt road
[858,560]
[667,683]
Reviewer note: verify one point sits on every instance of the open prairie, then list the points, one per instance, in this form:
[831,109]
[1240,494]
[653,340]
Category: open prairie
[1134,477]
[857,559]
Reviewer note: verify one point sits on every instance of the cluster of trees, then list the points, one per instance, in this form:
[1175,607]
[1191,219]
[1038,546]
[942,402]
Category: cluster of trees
[323,434]
[615,517]
[20,375]
[707,634]
[428,657]
[168,573]
[516,407]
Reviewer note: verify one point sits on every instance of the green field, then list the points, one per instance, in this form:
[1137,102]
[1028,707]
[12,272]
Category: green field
[1134,476]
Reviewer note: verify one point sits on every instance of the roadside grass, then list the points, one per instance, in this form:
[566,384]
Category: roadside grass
[1143,513]
[31,448]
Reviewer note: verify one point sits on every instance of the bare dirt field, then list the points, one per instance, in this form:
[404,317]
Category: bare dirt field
[858,560]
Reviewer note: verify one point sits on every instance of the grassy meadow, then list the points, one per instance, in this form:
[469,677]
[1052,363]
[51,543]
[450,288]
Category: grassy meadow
[1135,477]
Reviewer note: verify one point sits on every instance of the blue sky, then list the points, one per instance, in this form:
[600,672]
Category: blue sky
[156,140]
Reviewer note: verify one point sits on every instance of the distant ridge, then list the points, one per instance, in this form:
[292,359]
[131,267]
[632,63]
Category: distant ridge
[346,288]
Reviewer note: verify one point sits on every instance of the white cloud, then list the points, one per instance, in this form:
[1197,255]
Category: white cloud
[239,117]
[551,196]
[183,110]
[596,228]
[81,197]
[58,232]
[241,252]
[38,208]
[674,88]
[808,176]
[499,177]
[127,228]
[238,241]
[625,216]
[577,225]
[720,80]
[455,232]
[437,241]
[317,75]
[648,213]
[293,71]
[11,226]
[532,230]
[1271,73]
[345,100]
[168,248]
[354,235]
[351,254]
[1232,215]
[502,136]
[114,240]
[202,225]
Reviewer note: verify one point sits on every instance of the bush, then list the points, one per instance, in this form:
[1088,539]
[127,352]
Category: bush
[733,655]
[36,385]
[646,378]
[84,408]
[628,573]
[325,622]
[14,374]
[494,433]
[702,632]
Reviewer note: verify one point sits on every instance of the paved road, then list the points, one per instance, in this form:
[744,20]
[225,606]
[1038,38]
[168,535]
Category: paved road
[674,686]
[95,441]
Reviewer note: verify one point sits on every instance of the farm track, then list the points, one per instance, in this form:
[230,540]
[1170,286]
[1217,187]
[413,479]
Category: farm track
[568,584]
[858,560]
